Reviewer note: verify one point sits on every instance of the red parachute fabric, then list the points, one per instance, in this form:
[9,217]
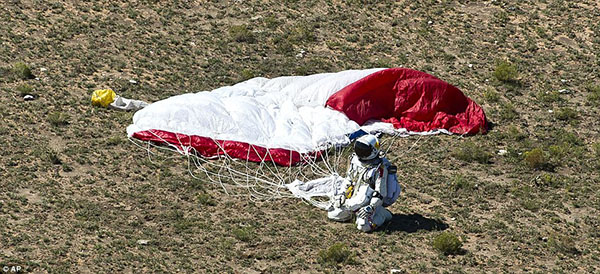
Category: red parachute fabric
[208,147]
[409,99]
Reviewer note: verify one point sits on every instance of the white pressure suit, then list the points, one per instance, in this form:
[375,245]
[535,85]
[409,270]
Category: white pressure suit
[371,185]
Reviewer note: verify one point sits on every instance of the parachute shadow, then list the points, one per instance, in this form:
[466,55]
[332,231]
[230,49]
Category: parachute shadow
[413,223]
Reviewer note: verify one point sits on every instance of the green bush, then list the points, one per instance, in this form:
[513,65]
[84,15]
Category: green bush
[548,97]
[536,159]
[58,118]
[247,74]
[514,134]
[594,94]
[22,71]
[24,89]
[206,199]
[491,96]
[566,114]
[462,182]
[244,234]
[470,152]
[447,243]
[336,254]
[508,112]
[506,72]
[563,244]
[596,149]
[241,33]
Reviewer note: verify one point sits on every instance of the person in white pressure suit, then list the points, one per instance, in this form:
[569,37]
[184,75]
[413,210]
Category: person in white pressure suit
[370,186]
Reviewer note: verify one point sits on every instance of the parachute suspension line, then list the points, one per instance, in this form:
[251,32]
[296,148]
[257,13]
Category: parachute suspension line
[326,162]
[340,155]
[262,180]
[391,142]
[228,160]
[312,163]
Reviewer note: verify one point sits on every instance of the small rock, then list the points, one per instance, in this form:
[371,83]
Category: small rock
[133,81]
[565,91]
[470,65]
[550,111]
[502,152]
[28,97]
[429,22]
[143,242]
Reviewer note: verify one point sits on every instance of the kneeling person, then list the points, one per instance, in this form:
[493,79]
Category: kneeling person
[371,185]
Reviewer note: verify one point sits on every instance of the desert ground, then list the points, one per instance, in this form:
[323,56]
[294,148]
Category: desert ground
[77,196]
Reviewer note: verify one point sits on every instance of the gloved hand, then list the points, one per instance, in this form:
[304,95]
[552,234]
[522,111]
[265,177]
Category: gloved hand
[365,212]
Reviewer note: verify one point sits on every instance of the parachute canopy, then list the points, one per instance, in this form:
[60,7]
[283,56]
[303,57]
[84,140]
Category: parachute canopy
[286,118]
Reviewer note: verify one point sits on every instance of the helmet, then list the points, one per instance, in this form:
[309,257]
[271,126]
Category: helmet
[366,147]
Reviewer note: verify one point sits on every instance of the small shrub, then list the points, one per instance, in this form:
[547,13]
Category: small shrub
[247,74]
[336,254]
[206,199]
[353,38]
[570,138]
[508,112]
[53,157]
[461,182]
[550,180]
[536,159]
[447,243]
[563,244]
[548,97]
[24,89]
[22,71]
[566,114]
[506,72]
[113,141]
[271,22]
[66,167]
[470,152]
[531,205]
[491,96]
[515,134]
[58,118]
[594,96]
[241,33]
[561,152]
[596,150]
[302,33]
[244,234]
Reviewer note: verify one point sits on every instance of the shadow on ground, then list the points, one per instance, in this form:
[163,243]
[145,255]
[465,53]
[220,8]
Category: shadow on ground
[413,223]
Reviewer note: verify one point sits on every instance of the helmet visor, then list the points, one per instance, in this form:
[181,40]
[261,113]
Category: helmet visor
[362,150]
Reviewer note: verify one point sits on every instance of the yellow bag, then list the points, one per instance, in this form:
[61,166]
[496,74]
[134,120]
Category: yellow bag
[103,97]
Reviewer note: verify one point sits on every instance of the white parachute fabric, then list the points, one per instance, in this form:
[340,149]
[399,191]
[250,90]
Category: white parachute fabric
[285,112]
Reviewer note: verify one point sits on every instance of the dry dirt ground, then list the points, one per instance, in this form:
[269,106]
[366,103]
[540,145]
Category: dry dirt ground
[76,196]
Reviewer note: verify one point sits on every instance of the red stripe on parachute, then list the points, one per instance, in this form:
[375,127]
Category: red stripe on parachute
[208,147]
